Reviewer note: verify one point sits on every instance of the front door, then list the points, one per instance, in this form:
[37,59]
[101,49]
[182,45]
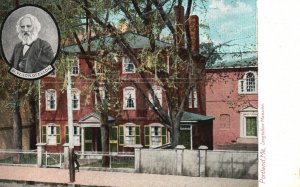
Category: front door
[113,139]
[185,136]
[92,139]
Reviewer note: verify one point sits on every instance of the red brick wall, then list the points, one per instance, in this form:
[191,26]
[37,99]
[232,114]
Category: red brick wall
[222,99]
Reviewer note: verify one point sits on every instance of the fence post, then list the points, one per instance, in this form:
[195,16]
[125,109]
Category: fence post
[179,158]
[40,151]
[66,156]
[137,158]
[202,160]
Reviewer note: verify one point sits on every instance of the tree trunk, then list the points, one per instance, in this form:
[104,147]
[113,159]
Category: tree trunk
[33,119]
[105,144]
[175,133]
[17,122]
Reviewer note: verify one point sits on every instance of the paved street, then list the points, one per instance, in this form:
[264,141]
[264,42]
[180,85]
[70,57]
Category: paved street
[100,178]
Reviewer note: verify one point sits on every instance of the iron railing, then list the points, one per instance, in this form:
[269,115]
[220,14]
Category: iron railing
[18,157]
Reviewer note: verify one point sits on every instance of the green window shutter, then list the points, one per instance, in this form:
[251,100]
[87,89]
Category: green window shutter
[163,135]
[113,133]
[44,134]
[147,135]
[58,134]
[67,134]
[121,137]
[137,135]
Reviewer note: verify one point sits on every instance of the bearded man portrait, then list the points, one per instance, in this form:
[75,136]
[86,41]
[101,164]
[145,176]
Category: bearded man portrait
[31,54]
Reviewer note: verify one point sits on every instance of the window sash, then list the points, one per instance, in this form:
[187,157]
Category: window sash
[128,66]
[248,85]
[129,98]
[75,67]
[75,100]
[50,100]
[76,135]
[132,135]
[51,134]
[251,126]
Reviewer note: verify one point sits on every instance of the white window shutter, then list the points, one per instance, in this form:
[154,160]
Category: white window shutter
[241,85]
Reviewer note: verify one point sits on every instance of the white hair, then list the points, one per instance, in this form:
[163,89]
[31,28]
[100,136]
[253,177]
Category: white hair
[36,27]
[35,23]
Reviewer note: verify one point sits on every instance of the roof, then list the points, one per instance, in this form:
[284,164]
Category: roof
[235,60]
[135,41]
[189,117]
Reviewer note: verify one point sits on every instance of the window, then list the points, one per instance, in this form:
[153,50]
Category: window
[99,68]
[155,135]
[128,66]
[129,134]
[193,99]
[75,95]
[251,126]
[248,85]
[51,134]
[74,67]
[129,98]
[102,94]
[76,135]
[185,127]
[50,99]
[158,94]
[249,122]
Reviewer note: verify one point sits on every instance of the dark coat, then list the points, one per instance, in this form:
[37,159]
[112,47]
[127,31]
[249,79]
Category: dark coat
[40,55]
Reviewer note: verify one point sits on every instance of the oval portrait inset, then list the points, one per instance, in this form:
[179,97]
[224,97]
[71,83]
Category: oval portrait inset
[30,41]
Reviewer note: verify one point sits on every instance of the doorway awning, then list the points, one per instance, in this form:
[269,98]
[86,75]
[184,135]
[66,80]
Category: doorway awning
[189,117]
[93,120]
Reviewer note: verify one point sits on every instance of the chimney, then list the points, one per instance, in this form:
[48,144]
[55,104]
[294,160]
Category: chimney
[194,33]
[179,16]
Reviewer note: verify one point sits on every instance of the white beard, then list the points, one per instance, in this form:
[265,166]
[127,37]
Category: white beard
[28,39]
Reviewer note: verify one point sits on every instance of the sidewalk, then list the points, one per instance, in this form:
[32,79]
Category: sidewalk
[60,177]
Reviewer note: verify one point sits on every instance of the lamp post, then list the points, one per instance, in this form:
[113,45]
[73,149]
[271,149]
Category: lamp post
[70,126]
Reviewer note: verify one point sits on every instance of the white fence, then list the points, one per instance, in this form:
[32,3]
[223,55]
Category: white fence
[202,162]
[179,161]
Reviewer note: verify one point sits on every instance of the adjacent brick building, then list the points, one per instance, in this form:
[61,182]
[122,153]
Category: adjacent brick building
[232,98]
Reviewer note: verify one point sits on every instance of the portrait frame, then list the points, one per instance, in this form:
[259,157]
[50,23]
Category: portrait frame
[49,33]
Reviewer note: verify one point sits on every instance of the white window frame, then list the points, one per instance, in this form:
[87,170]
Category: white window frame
[133,97]
[75,64]
[99,68]
[130,139]
[247,112]
[125,61]
[48,108]
[102,94]
[242,84]
[76,136]
[77,92]
[193,98]
[153,137]
[51,134]
[158,93]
